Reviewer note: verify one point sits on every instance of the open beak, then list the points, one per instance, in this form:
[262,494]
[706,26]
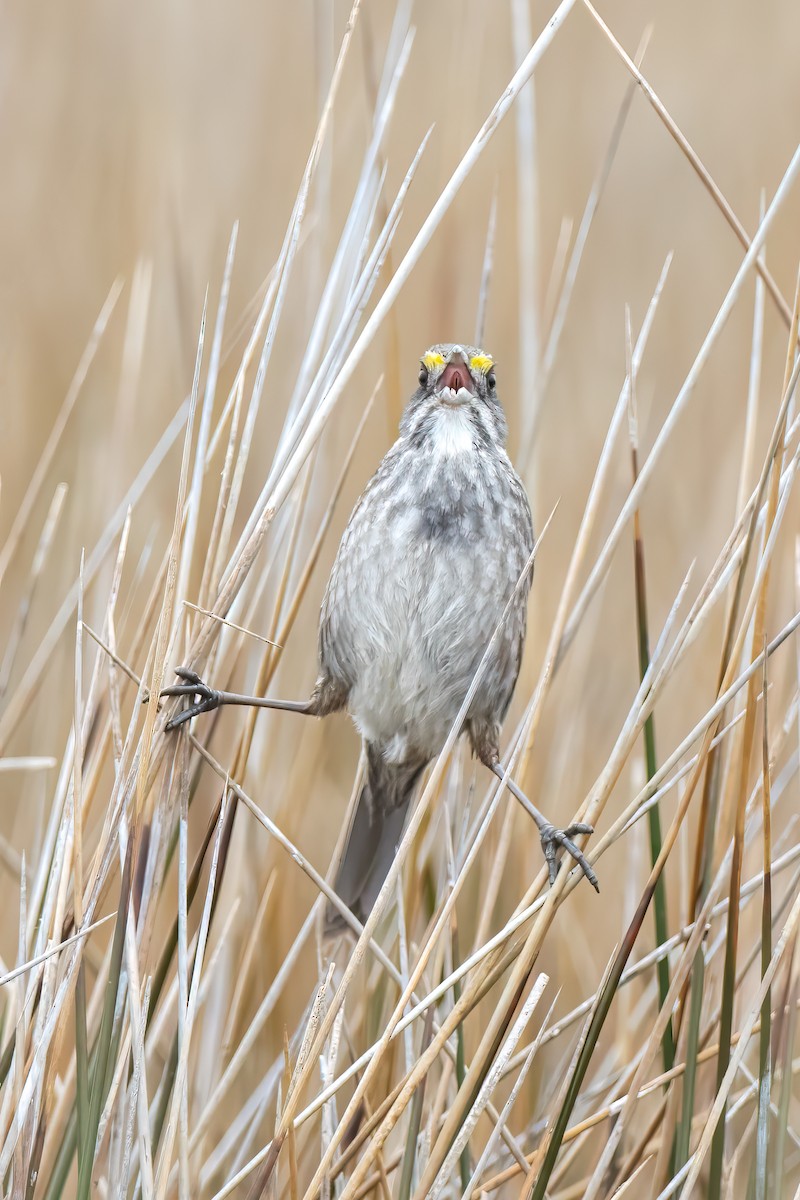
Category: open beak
[455,385]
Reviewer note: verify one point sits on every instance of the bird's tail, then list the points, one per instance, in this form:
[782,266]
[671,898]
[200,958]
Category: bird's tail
[374,835]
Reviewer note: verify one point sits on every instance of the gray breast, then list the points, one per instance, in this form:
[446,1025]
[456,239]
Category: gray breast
[425,569]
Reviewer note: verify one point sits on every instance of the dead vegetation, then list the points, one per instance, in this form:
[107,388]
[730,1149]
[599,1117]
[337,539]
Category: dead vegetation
[171,1024]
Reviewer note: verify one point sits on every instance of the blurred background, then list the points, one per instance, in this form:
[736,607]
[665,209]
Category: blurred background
[133,137]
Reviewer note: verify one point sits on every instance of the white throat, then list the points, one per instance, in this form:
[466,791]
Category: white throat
[452,433]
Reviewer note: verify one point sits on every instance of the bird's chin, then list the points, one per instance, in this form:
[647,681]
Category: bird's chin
[454,399]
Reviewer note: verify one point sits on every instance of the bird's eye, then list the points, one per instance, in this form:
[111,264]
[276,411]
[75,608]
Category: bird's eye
[491,381]
[423,376]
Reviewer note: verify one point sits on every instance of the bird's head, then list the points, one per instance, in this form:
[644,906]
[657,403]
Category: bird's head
[455,378]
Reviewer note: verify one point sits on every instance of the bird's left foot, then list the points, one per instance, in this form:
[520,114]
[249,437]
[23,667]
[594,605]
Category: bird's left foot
[554,840]
[207,698]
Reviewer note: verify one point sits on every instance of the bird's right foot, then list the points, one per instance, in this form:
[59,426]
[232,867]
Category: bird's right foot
[555,840]
[207,698]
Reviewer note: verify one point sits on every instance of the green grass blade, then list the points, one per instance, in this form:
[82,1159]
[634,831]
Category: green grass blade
[649,733]
[764,1055]
[102,1063]
[684,1132]
[778,1156]
[728,1000]
[605,998]
[69,1142]
[81,1055]
[171,1065]
[415,1121]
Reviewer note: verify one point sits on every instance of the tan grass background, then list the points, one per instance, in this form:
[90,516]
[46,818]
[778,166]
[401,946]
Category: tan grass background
[139,134]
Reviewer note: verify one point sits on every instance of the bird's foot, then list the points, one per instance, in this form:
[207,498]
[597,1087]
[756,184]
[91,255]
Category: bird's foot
[555,840]
[207,698]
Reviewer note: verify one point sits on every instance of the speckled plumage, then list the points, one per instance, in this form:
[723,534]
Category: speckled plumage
[431,564]
[429,559]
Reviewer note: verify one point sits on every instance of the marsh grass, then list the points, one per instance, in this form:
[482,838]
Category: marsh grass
[173,1025]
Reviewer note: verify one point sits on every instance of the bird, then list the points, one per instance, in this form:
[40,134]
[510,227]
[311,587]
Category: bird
[436,557]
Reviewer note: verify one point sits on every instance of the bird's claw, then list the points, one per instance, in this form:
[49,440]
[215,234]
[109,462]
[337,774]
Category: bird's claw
[208,698]
[554,839]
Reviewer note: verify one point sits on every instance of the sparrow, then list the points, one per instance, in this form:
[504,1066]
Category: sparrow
[436,556]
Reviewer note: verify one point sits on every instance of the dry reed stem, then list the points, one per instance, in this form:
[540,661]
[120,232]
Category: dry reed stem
[238,962]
